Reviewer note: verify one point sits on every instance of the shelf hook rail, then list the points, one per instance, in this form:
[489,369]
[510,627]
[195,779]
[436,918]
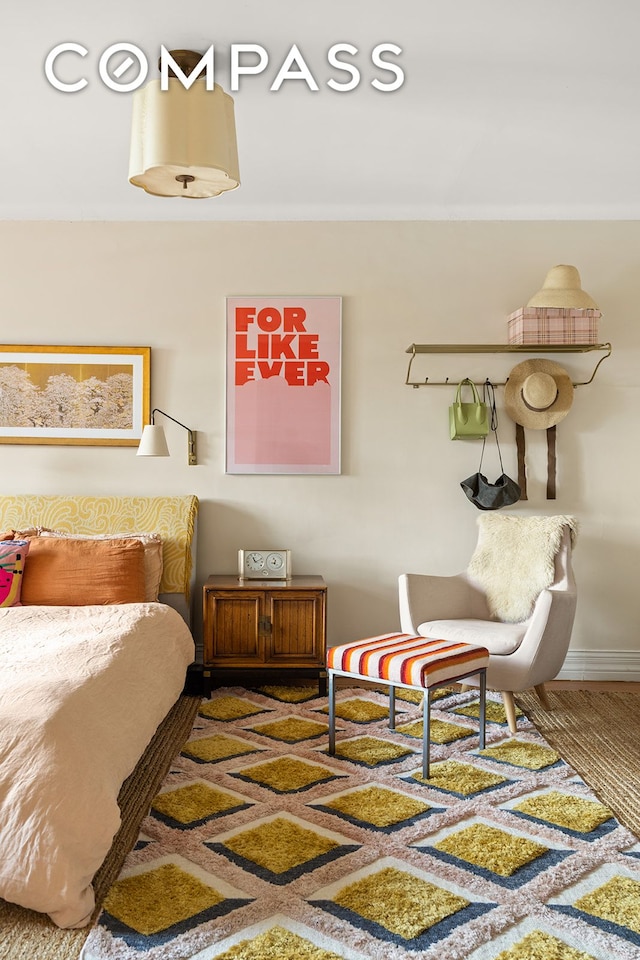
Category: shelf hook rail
[502,348]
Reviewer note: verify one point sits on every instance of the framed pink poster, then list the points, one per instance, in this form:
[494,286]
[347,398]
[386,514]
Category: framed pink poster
[283,384]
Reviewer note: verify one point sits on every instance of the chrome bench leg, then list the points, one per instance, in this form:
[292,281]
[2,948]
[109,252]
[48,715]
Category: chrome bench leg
[332,713]
[392,707]
[426,733]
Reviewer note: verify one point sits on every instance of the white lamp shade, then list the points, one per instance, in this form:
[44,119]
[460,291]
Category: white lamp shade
[153,442]
[179,132]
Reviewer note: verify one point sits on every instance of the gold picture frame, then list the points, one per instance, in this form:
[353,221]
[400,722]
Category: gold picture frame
[96,396]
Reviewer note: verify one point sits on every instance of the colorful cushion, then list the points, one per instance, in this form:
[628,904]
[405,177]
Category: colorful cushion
[12,557]
[408,659]
[65,572]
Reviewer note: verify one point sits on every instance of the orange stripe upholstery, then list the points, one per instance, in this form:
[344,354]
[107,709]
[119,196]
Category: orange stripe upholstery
[411,660]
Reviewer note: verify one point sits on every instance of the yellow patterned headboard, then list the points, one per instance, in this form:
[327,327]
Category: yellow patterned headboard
[174,518]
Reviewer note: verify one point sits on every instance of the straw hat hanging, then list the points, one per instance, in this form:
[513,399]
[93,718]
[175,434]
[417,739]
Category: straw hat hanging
[538,394]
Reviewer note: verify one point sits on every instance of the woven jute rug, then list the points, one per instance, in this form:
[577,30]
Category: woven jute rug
[25,935]
[261,846]
[599,735]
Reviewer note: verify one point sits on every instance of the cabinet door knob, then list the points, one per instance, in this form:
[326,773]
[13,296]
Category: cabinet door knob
[264,625]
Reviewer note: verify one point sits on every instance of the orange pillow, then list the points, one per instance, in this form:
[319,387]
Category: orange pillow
[61,572]
[151,542]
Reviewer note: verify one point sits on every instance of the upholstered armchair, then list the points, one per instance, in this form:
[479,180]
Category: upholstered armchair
[517,598]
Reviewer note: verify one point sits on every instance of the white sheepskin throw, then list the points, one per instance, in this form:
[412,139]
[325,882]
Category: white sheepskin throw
[514,561]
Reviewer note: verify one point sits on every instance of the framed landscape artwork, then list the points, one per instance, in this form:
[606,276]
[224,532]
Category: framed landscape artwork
[283,385]
[74,395]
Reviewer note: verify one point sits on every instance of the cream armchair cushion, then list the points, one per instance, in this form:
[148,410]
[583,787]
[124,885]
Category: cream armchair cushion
[498,638]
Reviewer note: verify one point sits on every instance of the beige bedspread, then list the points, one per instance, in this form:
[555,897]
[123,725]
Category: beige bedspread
[82,691]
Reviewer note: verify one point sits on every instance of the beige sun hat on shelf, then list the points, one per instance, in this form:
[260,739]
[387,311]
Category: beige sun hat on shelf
[562,288]
[538,394]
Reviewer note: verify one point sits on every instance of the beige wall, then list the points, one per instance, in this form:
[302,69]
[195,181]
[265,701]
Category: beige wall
[397,505]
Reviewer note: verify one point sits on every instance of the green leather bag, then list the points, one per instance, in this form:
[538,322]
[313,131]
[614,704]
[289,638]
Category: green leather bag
[468,420]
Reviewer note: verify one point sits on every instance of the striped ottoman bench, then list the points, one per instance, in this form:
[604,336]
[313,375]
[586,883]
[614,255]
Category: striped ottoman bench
[404,660]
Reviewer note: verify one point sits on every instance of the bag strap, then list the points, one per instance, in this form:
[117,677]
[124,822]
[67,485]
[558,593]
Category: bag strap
[470,383]
[489,397]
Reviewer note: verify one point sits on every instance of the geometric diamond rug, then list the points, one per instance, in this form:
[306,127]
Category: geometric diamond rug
[261,846]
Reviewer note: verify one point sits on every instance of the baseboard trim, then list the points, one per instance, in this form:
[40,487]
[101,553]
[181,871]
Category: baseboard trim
[601,665]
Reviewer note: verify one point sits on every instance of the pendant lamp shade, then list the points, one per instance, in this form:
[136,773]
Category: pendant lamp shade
[183,142]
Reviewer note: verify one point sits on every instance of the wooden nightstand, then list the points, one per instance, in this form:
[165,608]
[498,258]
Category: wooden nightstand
[275,628]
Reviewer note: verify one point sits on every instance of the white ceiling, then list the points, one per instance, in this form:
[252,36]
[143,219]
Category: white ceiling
[511,109]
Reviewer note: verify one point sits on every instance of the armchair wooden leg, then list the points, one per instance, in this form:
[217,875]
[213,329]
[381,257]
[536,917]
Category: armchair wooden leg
[510,710]
[542,696]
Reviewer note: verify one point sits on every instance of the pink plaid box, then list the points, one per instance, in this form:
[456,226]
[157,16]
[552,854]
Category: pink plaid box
[553,325]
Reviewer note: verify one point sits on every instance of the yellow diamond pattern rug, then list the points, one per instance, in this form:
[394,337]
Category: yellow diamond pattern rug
[261,846]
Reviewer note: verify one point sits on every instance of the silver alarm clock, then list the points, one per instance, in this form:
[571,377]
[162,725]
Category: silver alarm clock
[264,564]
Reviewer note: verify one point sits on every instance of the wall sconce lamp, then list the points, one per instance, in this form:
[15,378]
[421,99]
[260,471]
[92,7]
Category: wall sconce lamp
[183,140]
[153,442]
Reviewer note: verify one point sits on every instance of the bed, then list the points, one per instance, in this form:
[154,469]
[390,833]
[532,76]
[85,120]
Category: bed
[84,685]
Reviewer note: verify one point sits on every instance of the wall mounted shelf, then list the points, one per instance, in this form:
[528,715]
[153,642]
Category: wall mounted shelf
[528,349]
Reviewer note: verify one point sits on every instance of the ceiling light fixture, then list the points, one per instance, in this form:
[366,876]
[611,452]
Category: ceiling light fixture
[183,140]
[153,442]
